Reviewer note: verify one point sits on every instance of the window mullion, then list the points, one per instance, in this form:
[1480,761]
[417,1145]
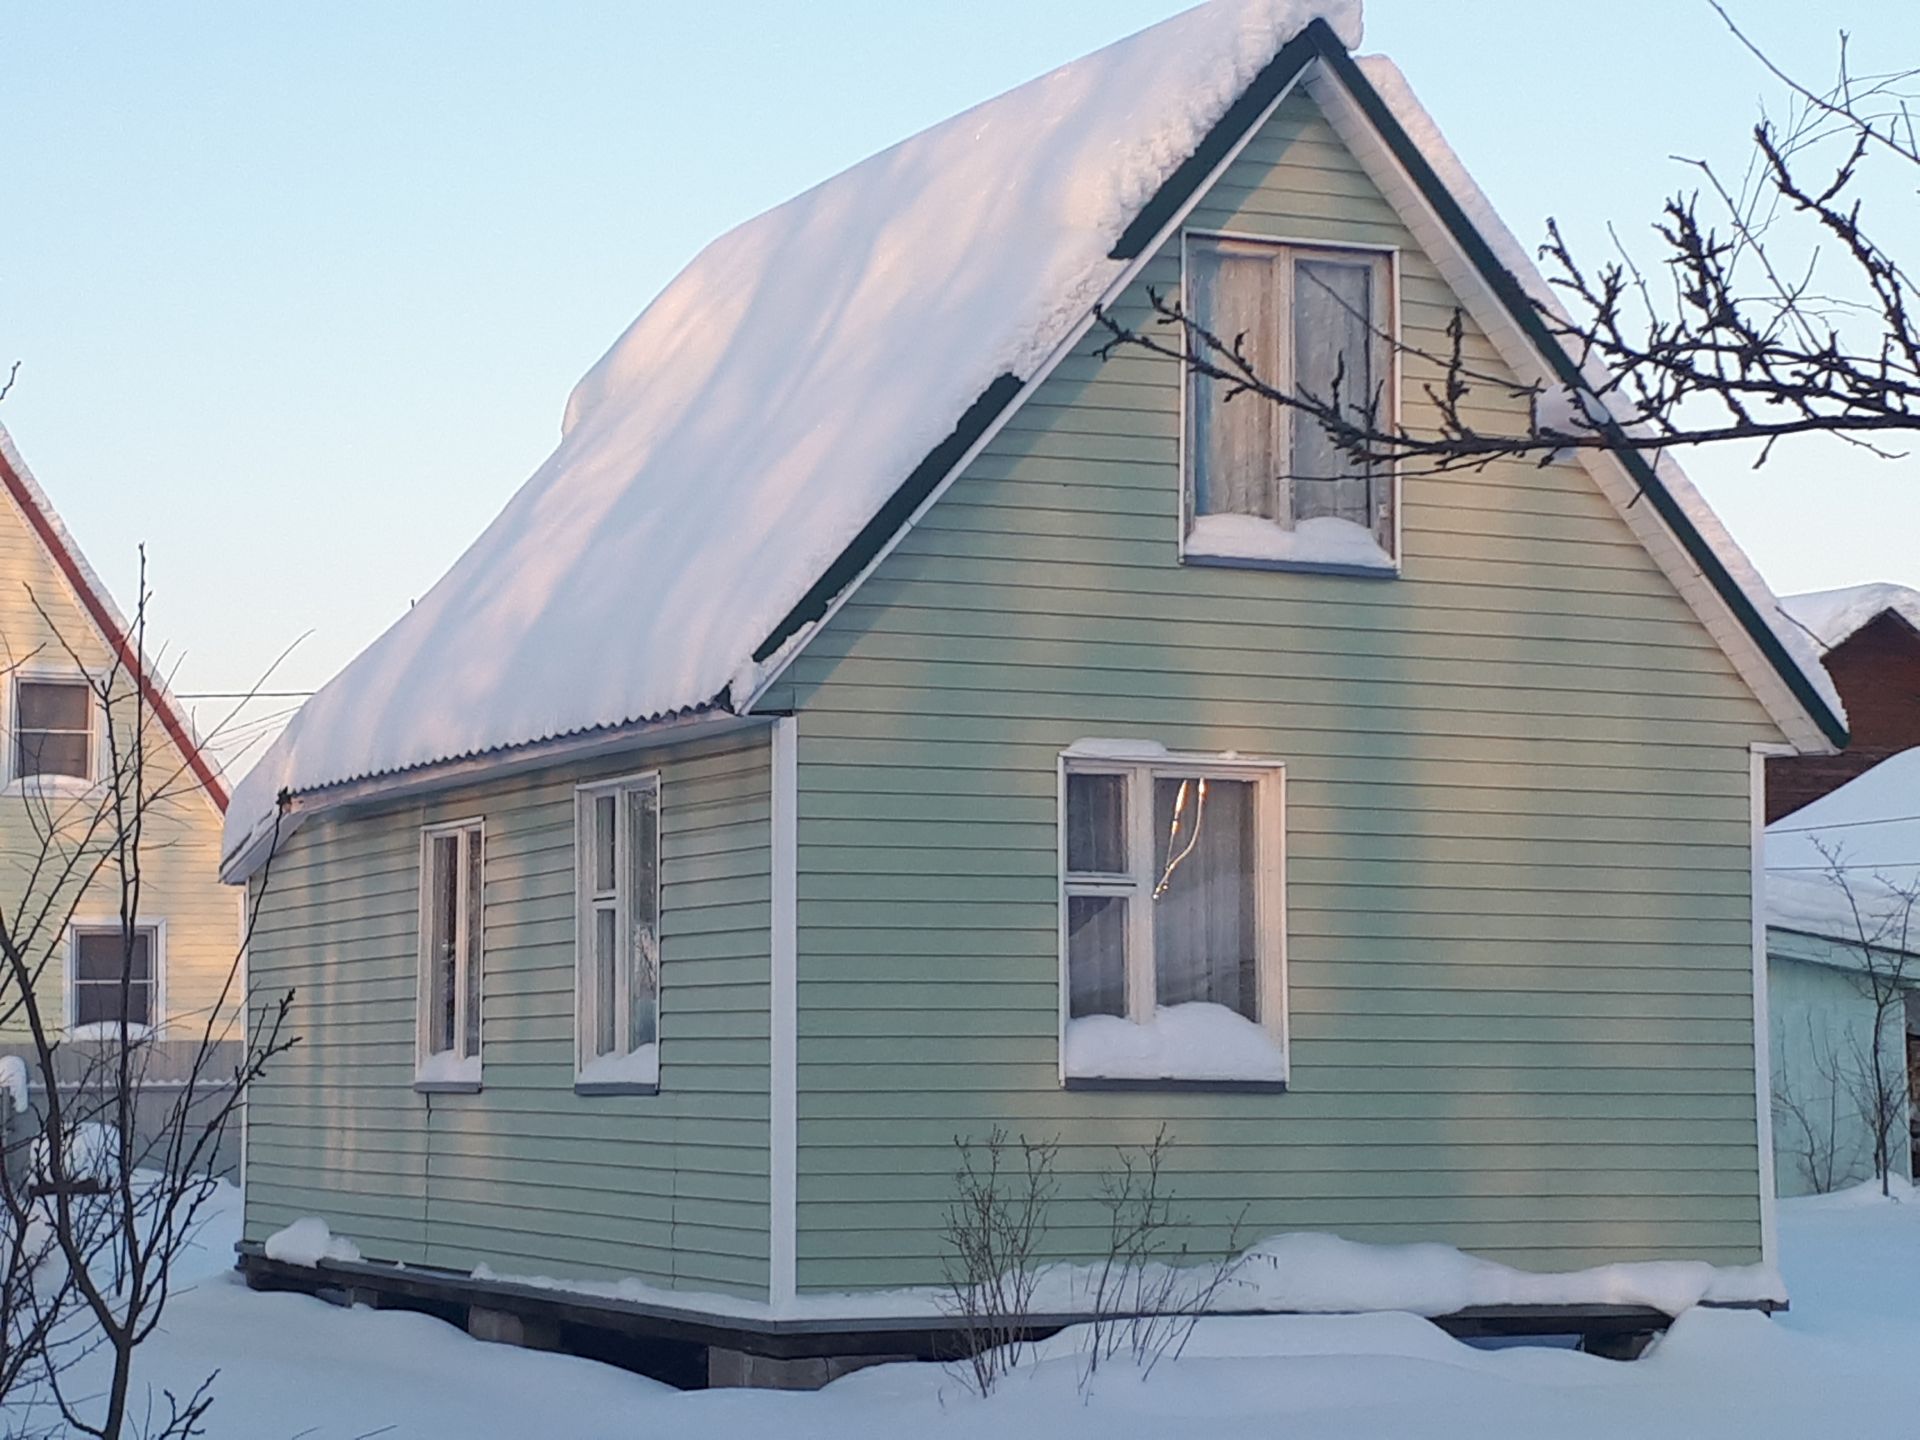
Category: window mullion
[1141,987]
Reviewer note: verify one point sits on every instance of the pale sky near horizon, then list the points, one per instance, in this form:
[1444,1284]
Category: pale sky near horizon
[300,293]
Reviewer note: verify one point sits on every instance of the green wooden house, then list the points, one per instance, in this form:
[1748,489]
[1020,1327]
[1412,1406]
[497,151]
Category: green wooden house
[890,717]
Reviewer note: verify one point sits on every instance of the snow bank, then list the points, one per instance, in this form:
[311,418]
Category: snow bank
[1323,540]
[13,1082]
[1830,616]
[1518,259]
[1181,1042]
[1872,826]
[796,372]
[307,1242]
[1299,1273]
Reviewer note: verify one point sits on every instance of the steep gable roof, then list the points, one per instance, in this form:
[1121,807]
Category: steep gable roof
[52,533]
[772,423]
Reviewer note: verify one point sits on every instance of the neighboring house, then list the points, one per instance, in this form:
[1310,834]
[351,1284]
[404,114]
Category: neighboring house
[1843,950]
[63,642]
[1869,640]
[884,720]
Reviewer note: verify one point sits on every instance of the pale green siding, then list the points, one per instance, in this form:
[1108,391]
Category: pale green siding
[526,1176]
[1519,885]
[1821,1009]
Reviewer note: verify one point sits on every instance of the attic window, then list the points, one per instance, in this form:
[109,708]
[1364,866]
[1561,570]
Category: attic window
[1266,484]
[52,729]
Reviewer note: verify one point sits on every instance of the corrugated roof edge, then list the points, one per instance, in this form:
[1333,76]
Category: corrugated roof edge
[243,859]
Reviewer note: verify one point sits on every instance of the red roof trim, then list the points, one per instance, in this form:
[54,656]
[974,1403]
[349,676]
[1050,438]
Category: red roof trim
[109,626]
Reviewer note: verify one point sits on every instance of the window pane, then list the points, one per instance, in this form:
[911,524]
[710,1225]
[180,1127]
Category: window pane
[99,955]
[95,1004]
[475,899]
[54,705]
[606,932]
[643,917]
[1097,824]
[1096,955]
[1204,934]
[604,839]
[44,753]
[443,911]
[1333,306]
[1234,469]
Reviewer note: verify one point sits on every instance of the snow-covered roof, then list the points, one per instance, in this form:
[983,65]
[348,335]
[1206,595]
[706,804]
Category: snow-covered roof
[1871,828]
[1833,616]
[764,411]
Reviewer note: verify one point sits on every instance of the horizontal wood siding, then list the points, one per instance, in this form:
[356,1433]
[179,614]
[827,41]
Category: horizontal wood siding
[46,633]
[1519,914]
[526,1177]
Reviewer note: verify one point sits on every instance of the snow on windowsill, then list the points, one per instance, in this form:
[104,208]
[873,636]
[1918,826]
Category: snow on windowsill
[447,1071]
[1181,1043]
[638,1070]
[307,1242]
[1324,542]
[111,1030]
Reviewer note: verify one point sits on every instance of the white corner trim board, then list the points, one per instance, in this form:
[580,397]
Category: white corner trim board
[783,1056]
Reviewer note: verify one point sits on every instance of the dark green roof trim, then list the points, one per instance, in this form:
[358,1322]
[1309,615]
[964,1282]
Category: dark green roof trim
[894,515]
[1316,41]
[1178,188]
[1507,288]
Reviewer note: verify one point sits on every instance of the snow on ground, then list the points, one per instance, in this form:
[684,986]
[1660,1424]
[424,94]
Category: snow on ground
[1836,1365]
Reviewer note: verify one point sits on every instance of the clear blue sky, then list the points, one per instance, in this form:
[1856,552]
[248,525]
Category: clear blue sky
[300,291]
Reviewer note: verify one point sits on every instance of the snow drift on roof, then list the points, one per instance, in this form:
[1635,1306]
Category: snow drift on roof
[767,404]
[1871,825]
[1831,616]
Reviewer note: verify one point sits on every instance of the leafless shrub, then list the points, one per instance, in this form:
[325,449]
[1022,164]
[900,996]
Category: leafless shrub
[993,1232]
[1149,1292]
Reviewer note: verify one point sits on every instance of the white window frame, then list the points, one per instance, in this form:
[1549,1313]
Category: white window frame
[625,1071]
[1141,765]
[451,1071]
[1390,256]
[157,956]
[17,782]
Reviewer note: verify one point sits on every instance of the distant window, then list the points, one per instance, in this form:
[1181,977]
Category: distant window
[1172,893]
[53,729]
[1265,481]
[115,977]
[617,933]
[452,934]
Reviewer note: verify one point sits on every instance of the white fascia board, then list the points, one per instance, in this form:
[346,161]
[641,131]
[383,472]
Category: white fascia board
[1367,146]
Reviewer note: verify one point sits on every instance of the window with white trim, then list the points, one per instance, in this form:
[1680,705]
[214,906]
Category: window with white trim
[53,729]
[1266,483]
[452,953]
[113,984]
[617,934]
[1173,920]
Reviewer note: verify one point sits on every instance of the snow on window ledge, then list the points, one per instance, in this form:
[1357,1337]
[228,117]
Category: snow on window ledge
[637,1072]
[447,1072]
[111,1030]
[1325,542]
[1181,1044]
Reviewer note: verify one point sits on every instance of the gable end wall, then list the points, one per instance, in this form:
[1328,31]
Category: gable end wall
[1520,929]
